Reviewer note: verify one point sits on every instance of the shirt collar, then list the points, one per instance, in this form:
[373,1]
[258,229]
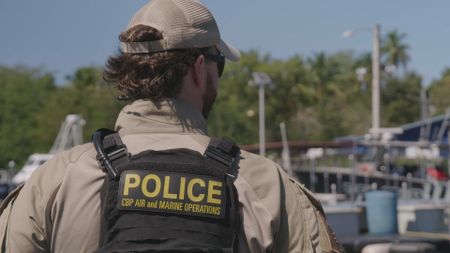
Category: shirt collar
[164,116]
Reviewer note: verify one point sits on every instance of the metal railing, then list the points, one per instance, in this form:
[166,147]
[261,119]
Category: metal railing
[348,181]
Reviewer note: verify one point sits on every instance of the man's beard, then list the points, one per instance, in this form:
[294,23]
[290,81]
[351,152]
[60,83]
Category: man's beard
[209,97]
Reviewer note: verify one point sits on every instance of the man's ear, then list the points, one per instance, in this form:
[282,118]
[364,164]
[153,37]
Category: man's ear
[199,71]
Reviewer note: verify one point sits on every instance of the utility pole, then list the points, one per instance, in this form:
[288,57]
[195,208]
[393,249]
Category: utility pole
[375,74]
[261,80]
[262,123]
[423,103]
[376,78]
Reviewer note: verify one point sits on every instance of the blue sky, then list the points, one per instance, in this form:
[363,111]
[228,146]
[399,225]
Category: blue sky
[62,35]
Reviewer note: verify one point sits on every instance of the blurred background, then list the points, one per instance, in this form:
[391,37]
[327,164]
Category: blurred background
[348,96]
[318,55]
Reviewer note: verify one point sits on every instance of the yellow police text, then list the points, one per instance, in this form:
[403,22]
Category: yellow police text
[195,189]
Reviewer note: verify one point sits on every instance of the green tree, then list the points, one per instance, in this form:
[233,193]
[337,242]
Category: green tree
[401,100]
[86,94]
[24,92]
[438,93]
[318,98]
[341,92]
[322,71]
[235,113]
[394,50]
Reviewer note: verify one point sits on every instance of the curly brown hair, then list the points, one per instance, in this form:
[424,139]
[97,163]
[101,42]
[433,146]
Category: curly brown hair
[151,75]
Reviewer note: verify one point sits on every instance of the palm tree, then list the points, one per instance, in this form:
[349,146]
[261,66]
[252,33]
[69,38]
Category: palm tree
[322,71]
[394,50]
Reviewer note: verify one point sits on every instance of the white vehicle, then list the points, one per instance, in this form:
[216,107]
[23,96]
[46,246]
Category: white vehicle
[70,134]
[33,162]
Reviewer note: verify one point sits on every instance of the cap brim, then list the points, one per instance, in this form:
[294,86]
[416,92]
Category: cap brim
[229,51]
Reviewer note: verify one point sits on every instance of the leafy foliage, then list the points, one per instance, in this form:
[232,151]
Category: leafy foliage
[401,100]
[33,108]
[318,98]
[394,50]
[439,91]
[23,94]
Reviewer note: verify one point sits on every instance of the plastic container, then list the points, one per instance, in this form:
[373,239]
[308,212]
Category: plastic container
[381,212]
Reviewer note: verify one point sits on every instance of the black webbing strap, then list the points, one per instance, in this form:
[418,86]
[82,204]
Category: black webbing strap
[110,150]
[225,153]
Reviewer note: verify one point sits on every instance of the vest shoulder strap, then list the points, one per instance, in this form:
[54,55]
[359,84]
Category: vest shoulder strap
[110,150]
[224,153]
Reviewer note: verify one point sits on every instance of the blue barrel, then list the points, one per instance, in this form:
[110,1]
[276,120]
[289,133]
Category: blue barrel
[381,212]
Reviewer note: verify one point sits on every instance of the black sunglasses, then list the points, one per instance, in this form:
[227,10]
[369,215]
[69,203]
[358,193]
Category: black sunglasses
[219,59]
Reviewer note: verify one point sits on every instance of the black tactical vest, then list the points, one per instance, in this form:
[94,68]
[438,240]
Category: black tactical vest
[168,201]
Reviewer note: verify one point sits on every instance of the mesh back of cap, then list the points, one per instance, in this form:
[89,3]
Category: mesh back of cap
[183,23]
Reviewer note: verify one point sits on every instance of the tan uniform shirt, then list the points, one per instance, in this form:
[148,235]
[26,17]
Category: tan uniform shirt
[58,209]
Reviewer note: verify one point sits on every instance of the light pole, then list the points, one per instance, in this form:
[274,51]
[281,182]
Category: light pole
[375,73]
[261,80]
